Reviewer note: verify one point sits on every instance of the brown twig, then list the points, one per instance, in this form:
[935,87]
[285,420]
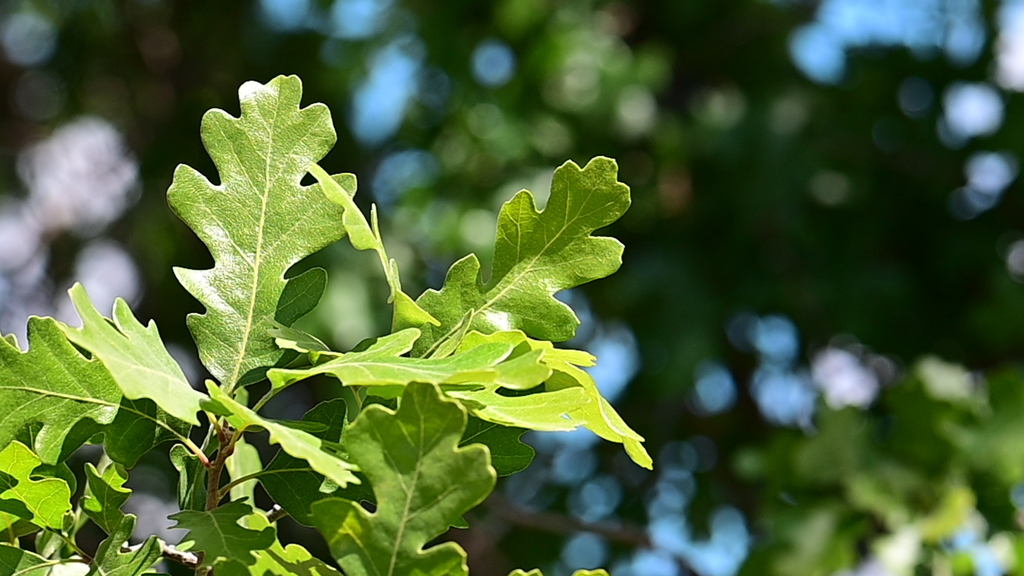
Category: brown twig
[227,446]
[559,523]
[169,552]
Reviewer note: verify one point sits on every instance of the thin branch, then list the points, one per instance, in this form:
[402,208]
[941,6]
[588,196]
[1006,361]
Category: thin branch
[275,513]
[628,534]
[169,552]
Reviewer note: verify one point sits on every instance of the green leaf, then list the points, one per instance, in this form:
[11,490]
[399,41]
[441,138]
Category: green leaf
[285,560]
[536,254]
[243,461]
[295,486]
[18,562]
[43,501]
[382,365]
[594,412]
[135,356]
[412,459]
[218,535]
[191,478]
[110,561]
[257,223]
[295,442]
[53,385]
[508,454]
[104,495]
[365,236]
[140,427]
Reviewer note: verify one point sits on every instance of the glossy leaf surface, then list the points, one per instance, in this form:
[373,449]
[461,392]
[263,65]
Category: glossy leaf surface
[536,254]
[257,222]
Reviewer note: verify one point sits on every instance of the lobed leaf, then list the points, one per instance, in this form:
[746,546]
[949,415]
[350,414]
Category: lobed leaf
[41,501]
[537,572]
[257,223]
[217,534]
[278,560]
[536,254]
[111,561]
[53,385]
[104,495]
[295,442]
[135,356]
[411,458]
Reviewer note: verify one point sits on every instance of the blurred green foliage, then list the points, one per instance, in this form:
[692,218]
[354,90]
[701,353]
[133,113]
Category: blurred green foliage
[756,191]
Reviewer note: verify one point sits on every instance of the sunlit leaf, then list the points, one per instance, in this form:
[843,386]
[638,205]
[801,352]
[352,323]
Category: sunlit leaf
[295,442]
[257,223]
[382,364]
[536,254]
[135,356]
[294,485]
[53,385]
[41,501]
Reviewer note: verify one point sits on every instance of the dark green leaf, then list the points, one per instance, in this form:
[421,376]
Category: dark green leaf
[411,458]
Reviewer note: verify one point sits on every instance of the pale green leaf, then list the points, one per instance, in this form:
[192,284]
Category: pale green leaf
[257,223]
[364,236]
[295,442]
[110,561]
[411,458]
[536,254]
[43,501]
[243,461]
[290,481]
[594,412]
[135,356]
[288,560]
[104,495]
[382,365]
[221,539]
[53,385]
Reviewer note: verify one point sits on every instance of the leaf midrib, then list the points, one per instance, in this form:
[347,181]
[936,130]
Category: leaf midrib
[254,288]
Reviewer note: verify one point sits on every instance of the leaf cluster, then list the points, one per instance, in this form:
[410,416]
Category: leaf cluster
[435,409]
